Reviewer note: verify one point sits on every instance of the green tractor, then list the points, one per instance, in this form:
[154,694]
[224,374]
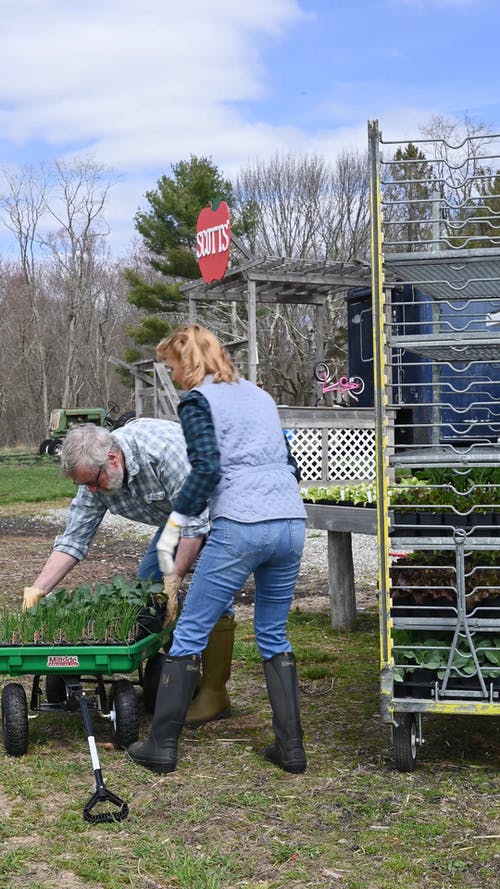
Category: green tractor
[62,420]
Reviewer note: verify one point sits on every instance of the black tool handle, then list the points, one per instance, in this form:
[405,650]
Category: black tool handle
[102,794]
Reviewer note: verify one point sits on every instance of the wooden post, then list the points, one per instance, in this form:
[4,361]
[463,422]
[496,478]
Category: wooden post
[341,580]
[319,313]
[341,522]
[253,360]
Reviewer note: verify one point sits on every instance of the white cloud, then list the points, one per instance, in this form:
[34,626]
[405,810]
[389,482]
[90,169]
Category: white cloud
[137,85]
[141,84]
[105,68]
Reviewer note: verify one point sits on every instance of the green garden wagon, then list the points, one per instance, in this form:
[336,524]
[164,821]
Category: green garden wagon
[62,670]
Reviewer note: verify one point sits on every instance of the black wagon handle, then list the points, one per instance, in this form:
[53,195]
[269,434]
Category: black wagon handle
[102,794]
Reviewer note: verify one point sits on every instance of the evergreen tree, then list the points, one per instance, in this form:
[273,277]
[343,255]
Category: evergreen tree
[409,185]
[168,230]
[478,222]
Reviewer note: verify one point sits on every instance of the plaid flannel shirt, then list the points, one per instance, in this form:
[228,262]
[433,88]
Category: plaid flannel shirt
[156,468]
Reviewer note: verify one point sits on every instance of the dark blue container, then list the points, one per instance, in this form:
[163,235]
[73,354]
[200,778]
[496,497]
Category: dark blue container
[437,398]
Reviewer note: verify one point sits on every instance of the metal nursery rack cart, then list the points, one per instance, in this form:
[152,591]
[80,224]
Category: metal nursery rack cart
[75,676]
[436,321]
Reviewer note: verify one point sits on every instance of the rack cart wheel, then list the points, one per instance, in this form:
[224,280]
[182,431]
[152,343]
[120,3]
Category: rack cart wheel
[151,681]
[404,739]
[15,719]
[124,713]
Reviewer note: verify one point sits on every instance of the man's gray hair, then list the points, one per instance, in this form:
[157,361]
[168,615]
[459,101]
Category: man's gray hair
[87,445]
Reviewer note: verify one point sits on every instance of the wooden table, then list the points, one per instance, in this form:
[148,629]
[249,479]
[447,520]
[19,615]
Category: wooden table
[341,522]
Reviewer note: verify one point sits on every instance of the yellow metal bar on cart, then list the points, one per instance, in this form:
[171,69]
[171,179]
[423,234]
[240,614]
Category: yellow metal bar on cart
[381,443]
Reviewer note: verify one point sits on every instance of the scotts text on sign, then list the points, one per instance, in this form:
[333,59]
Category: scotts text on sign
[213,241]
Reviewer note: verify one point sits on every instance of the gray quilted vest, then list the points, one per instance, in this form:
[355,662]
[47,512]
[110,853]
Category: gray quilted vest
[257,483]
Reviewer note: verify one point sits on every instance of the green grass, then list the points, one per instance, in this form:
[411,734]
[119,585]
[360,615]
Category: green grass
[227,819]
[33,483]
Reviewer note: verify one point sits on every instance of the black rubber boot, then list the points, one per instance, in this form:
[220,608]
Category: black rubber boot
[287,752]
[175,691]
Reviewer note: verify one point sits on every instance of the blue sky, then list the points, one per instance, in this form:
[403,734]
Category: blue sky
[140,84]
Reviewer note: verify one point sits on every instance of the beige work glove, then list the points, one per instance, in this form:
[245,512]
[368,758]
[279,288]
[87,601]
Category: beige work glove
[32,596]
[170,597]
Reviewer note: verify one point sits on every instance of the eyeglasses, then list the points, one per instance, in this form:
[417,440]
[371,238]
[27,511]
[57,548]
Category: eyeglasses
[94,483]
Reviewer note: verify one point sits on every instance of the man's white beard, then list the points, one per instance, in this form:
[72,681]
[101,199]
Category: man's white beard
[114,478]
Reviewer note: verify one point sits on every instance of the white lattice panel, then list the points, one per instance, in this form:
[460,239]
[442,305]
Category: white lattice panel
[306,447]
[351,454]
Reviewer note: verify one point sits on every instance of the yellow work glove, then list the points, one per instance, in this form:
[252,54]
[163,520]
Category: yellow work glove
[170,597]
[32,596]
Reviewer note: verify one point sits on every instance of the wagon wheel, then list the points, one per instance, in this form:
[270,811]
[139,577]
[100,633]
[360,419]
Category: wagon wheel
[404,740]
[55,688]
[151,680]
[15,719]
[322,372]
[124,713]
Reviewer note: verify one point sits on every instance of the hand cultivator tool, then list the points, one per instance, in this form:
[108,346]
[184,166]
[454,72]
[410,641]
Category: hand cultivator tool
[67,668]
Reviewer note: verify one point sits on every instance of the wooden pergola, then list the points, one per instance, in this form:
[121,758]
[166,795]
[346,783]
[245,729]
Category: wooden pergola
[272,280]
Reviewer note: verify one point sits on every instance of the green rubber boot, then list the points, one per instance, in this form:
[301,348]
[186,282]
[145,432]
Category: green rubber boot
[212,701]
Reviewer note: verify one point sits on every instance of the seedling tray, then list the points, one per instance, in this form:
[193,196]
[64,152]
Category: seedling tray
[104,660]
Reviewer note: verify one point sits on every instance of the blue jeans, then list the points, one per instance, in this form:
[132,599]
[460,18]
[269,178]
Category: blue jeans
[271,551]
[149,568]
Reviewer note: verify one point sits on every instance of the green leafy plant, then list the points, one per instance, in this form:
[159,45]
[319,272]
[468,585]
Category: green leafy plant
[361,494]
[413,650]
[98,614]
[435,489]
[423,576]
[475,489]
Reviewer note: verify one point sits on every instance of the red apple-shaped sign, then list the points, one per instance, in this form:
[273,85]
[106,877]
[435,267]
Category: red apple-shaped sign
[213,241]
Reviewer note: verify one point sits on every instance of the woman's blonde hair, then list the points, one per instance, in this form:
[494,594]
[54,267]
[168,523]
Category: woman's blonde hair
[200,353]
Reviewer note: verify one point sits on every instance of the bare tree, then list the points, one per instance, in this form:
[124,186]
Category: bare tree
[64,307]
[78,199]
[346,217]
[462,170]
[303,207]
[22,207]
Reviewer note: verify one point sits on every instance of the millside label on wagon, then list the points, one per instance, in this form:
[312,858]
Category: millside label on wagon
[60,660]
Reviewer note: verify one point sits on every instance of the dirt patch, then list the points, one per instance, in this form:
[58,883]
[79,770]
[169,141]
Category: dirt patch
[25,545]
[26,541]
